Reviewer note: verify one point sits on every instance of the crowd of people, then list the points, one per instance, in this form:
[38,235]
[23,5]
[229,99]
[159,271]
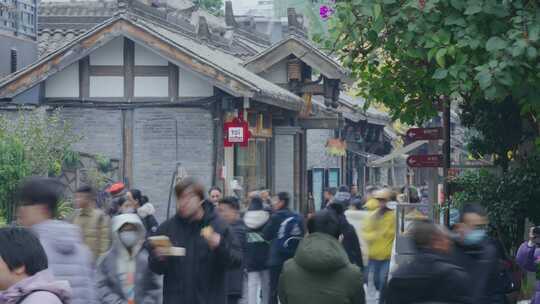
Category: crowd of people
[222,250]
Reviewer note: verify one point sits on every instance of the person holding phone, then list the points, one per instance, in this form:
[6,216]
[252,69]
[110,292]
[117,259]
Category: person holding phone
[528,257]
[196,273]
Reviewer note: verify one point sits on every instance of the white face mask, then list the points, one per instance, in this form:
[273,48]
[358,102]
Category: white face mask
[392,205]
[129,238]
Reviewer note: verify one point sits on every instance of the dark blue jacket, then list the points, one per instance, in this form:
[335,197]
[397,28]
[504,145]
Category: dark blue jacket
[270,233]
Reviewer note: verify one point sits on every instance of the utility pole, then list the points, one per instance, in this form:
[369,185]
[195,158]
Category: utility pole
[446,157]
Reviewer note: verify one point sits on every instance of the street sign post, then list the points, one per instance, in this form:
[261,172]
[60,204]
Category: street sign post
[425,161]
[425,133]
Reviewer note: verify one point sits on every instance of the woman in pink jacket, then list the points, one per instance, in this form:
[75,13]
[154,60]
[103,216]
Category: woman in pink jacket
[24,278]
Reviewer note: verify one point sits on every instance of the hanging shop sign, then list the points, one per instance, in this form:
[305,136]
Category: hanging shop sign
[336,147]
[236,132]
[425,133]
[425,161]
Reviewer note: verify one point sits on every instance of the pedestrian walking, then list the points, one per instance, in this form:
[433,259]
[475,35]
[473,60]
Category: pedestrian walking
[328,196]
[123,275]
[215,195]
[69,258]
[320,271]
[476,254]
[284,230]
[379,232]
[371,203]
[528,258]
[350,240]
[24,277]
[93,222]
[229,210]
[256,253]
[266,198]
[431,277]
[144,209]
[198,275]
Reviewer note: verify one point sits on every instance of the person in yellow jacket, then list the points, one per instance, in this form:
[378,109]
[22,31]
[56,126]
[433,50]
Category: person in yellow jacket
[379,232]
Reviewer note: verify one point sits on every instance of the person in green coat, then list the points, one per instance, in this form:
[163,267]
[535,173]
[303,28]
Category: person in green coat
[320,271]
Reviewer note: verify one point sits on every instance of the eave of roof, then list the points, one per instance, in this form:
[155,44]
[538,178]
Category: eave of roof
[302,49]
[223,70]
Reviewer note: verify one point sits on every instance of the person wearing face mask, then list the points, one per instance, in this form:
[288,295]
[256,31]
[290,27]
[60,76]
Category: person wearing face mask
[476,254]
[123,275]
[197,276]
[431,277]
[379,232]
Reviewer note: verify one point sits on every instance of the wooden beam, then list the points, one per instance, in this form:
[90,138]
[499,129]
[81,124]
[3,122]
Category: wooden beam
[319,123]
[154,70]
[173,82]
[315,89]
[84,77]
[129,64]
[106,70]
[127,145]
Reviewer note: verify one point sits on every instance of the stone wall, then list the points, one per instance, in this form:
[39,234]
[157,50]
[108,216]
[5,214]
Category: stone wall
[163,137]
[316,150]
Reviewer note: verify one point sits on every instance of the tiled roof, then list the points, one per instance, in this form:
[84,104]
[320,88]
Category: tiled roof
[65,20]
[227,65]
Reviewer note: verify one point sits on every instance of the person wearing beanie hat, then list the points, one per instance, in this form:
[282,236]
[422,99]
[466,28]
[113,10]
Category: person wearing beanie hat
[257,250]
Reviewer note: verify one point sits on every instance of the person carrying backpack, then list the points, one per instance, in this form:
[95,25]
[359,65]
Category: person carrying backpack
[284,230]
[24,277]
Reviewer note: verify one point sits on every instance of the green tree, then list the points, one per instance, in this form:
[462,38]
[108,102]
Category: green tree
[408,54]
[36,142]
[213,6]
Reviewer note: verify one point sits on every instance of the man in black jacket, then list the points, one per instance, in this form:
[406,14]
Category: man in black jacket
[350,240]
[277,258]
[197,277]
[476,254]
[430,277]
[229,210]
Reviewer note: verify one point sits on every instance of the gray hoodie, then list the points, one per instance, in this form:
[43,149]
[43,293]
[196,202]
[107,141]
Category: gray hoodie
[41,288]
[69,259]
[112,264]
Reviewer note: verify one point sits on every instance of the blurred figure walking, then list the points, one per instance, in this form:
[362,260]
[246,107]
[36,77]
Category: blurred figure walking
[94,223]
[284,230]
[123,275]
[320,271]
[431,277]
[256,253]
[197,277]
[24,277]
[229,210]
[69,258]
[379,233]
[476,254]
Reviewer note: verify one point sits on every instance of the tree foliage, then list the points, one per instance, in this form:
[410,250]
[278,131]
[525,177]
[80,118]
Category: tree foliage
[408,53]
[33,143]
[212,6]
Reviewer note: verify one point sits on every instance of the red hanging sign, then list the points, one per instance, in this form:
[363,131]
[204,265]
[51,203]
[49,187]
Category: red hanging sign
[425,161]
[425,133]
[236,132]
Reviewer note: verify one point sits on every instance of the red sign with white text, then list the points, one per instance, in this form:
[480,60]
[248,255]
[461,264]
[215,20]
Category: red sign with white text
[425,161]
[236,132]
[425,133]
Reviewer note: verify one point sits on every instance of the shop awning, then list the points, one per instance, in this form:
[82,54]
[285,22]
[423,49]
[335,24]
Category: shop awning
[397,153]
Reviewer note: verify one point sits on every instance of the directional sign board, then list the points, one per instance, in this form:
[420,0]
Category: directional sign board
[425,161]
[425,133]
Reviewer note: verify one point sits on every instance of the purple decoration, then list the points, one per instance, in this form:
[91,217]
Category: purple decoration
[326,11]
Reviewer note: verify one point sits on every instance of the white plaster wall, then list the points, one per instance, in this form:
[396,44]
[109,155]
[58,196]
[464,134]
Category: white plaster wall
[190,85]
[64,83]
[276,73]
[144,56]
[151,86]
[106,86]
[111,53]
